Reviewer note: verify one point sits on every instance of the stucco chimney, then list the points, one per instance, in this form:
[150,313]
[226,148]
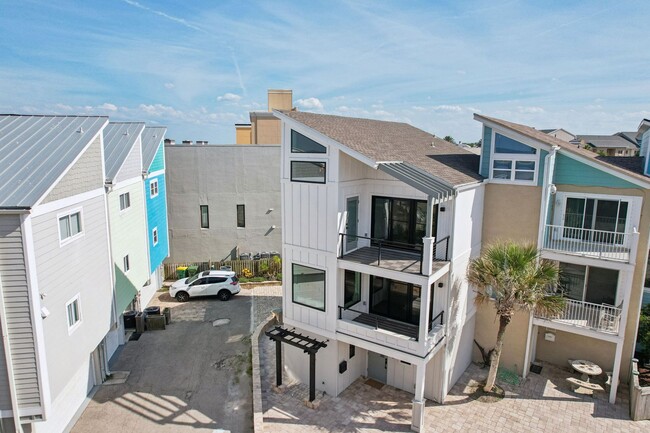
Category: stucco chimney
[280,100]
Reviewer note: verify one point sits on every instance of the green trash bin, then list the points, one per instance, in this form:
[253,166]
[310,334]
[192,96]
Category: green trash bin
[192,270]
[181,272]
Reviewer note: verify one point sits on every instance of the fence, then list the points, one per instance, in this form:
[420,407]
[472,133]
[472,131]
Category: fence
[236,265]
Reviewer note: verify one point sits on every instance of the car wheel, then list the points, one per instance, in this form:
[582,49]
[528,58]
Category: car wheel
[182,297]
[224,295]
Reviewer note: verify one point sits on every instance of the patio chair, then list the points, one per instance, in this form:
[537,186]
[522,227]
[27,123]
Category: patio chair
[608,321]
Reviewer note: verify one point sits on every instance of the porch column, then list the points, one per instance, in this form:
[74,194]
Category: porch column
[425,299]
[427,241]
[417,422]
[278,362]
[312,376]
[617,370]
[530,352]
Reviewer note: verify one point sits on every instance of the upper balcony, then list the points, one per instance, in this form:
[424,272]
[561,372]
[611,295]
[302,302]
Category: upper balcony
[598,244]
[425,259]
[588,316]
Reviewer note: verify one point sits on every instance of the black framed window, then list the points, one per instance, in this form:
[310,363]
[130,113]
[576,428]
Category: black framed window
[353,351]
[308,286]
[351,288]
[401,221]
[205,216]
[302,144]
[396,300]
[306,171]
[241,216]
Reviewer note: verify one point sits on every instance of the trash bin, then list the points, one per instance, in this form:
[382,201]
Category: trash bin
[167,312]
[151,310]
[129,319]
[155,322]
[181,272]
[192,270]
[139,322]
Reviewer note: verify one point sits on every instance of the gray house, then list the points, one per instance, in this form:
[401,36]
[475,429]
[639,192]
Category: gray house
[223,201]
[56,288]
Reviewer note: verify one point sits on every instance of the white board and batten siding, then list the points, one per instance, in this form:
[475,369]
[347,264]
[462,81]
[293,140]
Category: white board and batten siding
[18,316]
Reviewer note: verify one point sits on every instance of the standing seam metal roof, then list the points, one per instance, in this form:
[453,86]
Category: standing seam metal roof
[36,150]
[119,138]
[152,136]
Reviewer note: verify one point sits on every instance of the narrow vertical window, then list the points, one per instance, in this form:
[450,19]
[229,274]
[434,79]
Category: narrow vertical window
[205,218]
[154,236]
[73,311]
[125,201]
[153,188]
[127,265]
[241,215]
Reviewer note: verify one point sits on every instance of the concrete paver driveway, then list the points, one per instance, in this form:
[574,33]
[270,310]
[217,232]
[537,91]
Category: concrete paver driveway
[193,376]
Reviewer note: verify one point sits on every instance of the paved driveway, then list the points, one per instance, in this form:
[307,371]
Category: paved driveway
[193,376]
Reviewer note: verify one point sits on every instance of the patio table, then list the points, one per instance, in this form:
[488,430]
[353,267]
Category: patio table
[587,368]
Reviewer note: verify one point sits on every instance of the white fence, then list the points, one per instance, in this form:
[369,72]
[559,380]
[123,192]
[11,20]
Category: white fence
[588,243]
[600,317]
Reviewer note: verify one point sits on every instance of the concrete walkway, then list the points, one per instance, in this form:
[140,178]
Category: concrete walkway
[542,403]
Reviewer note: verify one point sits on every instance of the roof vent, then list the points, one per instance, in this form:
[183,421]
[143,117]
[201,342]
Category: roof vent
[80,130]
[126,133]
[433,144]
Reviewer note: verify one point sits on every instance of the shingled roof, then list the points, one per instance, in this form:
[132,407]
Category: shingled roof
[394,141]
[629,167]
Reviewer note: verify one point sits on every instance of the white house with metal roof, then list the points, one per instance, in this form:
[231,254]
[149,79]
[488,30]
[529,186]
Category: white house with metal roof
[56,286]
[379,222]
[127,219]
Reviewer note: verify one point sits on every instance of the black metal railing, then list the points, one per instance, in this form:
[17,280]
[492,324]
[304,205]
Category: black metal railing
[439,246]
[439,318]
[381,322]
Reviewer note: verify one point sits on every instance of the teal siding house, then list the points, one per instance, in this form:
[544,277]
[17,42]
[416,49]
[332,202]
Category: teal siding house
[155,192]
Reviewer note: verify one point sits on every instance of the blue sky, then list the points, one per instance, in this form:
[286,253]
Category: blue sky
[201,66]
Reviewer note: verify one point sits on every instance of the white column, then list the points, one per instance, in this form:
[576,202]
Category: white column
[528,356]
[417,422]
[616,372]
[425,299]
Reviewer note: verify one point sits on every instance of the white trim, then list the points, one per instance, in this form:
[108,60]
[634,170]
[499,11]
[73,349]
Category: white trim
[585,261]
[585,332]
[75,299]
[25,411]
[83,151]
[156,173]
[68,213]
[150,184]
[37,321]
[127,182]
[66,202]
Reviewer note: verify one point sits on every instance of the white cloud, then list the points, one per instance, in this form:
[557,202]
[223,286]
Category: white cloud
[418,108]
[530,110]
[169,85]
[230,97]
[453,108]
[108,107]
[310,103]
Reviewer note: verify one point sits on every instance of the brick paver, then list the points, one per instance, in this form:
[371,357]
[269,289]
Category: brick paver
[542,403]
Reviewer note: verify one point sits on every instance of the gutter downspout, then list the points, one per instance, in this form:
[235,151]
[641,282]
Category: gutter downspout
[548,189]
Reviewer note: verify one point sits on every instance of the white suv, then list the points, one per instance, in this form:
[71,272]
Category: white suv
[224,284]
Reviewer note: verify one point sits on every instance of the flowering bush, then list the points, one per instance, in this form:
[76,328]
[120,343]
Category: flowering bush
[246,273]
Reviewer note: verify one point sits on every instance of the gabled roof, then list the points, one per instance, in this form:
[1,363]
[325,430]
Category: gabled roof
[119,138]
[382,141]
[627,167]
[629,136]
[35,151]
[152,136]
[607,141]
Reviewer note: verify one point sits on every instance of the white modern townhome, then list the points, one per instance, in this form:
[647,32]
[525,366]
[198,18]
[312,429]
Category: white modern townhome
[379,222]
[127,219]
[56,286]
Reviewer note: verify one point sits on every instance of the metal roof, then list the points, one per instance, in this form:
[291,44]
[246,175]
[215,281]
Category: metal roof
[35,151]
[152,136]
[119,138]
[418,179]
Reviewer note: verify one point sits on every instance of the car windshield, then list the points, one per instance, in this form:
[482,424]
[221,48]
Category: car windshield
[193,278]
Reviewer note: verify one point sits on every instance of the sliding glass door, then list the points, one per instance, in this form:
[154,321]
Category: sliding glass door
[401,222]
[395,299]
[587,219]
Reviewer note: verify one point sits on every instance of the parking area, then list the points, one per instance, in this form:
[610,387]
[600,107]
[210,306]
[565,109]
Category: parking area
[193,376]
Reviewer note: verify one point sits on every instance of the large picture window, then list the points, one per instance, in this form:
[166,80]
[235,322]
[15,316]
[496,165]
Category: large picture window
[308,286]
[310,172]
[302,144]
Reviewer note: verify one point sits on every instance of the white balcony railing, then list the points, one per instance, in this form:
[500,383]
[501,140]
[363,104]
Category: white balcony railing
[599,317]
[588,243]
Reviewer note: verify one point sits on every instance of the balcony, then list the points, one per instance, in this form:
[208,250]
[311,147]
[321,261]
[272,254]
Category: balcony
[597,244]
[396,256]
[597,317]
[389,332]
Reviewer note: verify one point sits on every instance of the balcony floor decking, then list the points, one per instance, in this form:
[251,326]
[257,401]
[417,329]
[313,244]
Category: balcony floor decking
[393,259]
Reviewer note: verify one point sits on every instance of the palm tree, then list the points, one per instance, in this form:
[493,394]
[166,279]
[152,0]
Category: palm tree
[514,277]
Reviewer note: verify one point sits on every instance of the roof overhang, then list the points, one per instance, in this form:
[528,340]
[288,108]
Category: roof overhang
[643,127]
[418,179]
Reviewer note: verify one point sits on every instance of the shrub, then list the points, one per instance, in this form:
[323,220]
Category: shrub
[279,276]
[257,279]
[244,280]
[246,273]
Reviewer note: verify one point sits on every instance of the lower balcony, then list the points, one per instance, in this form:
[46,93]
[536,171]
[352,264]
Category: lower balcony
[590,243]
[597,317]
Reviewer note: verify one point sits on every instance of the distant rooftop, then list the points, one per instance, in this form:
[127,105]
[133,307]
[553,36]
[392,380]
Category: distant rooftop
[35,151]
[607,141]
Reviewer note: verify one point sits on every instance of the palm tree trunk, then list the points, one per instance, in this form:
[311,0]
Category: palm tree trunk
[496,354]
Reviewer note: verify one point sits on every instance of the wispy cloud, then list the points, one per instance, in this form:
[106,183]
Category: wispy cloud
[230,97]
[165,15]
